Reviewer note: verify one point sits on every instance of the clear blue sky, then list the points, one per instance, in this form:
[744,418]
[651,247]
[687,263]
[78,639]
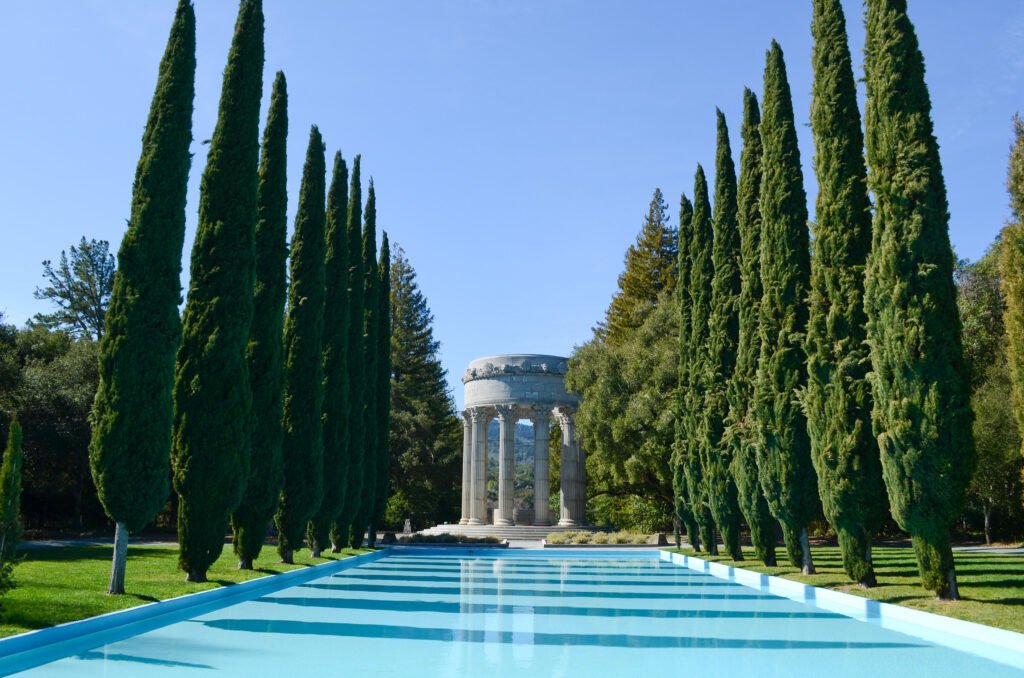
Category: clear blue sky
[514,144]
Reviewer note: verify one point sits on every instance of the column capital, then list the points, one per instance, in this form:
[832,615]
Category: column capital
[505,412]
[474,414]
[540,413]
[564,414]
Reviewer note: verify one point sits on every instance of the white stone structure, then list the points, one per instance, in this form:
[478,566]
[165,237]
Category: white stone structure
[509,388]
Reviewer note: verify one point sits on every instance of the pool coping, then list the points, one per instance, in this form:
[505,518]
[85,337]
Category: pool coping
[17,651]
[1001,645]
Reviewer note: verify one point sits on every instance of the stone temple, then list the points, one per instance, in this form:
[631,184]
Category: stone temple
[510,388]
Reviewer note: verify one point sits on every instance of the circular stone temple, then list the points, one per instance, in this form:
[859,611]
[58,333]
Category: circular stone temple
[509,388]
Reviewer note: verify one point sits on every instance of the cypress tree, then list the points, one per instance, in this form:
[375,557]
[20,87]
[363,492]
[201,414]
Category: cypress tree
[369,390]
[837,401]
[265,355]
[212,396]
[741,432]
[716,453]
[303,448]
[681,491]
[342,532]
[383,381]
[1011,273]
[784,455]
[129,453]
[335,342]
[921,415]
[698,358]
[10,506]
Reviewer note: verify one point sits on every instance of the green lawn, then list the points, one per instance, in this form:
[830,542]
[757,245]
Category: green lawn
[65,583]
[991,584]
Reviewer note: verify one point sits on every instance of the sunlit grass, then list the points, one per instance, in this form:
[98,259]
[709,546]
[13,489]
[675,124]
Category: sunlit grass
[991,584]
[64,583]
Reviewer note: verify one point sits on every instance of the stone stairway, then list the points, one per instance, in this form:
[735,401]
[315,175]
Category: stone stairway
[517,532]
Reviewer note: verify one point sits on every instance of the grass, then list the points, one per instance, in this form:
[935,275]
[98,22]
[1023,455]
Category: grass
[585,537]
[65,583]
[991,584]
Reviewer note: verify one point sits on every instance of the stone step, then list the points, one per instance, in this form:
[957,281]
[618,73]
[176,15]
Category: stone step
[519,532]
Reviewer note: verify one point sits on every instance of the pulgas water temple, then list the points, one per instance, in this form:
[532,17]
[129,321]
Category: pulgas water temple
[510,388]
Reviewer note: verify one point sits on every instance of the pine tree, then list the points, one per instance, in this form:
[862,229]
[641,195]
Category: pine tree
[698,357]
[425,436]
[1011,264]
[369,384]
[10,506]
[715,452]
[837,401]
[335,342]
[303,448]
[741,432]
[212,396]
[784,456]
[129,453]
[383,345]
[919,381]
[343,531]
[680,489]
[265,354]
[650,267]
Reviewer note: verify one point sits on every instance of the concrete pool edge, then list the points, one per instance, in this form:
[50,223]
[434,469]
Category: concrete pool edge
[1000,645]
[17,651]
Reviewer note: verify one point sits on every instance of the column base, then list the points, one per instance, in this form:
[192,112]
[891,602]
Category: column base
[464,521]
[504,522]
[474,521]
[568,522]
[542,523]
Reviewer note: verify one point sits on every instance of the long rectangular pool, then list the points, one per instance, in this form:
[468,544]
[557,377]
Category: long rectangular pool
[510,613]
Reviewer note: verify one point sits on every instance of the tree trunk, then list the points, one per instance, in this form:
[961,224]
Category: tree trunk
[195,576]
[805,546]
[286,557]
[335,547]
[371,536]
[245,563]
[988,523]
[314,549]
[116,585]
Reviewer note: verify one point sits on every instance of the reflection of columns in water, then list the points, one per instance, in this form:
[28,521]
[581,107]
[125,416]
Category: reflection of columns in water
[478,471]
[506,464]
[467,466]
[573,497]
[541,468]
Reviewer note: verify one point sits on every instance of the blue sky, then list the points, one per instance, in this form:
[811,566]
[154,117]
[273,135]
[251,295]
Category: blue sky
[514,144]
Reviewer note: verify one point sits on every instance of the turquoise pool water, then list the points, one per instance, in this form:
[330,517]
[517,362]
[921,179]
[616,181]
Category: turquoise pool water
[515,614]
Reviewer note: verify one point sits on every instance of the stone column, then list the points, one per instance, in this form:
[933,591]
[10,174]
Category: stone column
[541,468]
[506,465]
[478,473]
[570,515]
[467,466]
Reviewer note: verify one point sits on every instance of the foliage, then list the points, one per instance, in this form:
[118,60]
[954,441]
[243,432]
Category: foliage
[212,395]
[680,491]
[1011,264]
[715,452]
[303,445]
[82,284]
[919,378]
[425,436]
[740,433]
[981,304]
[10,507]
[650,267]
[335,360]
[265,352]
[383,383]
[837,400]
[587,537]
[132,417]
[783,452]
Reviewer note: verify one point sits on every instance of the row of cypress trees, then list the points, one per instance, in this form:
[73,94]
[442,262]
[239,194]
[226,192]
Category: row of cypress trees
[811,381]
[253,413]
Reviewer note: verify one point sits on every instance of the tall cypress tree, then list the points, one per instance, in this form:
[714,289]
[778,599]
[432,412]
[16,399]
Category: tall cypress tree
[266,368]
[212,396]
[303,449]
[716,453]
[129,453]
[698,358]
[342,532]
[837,401]
[11,527]
[680,489]
[369,390]
[1011,271]
[919,383]
[383,381]
[335,342]
[784,455]
[741,432]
